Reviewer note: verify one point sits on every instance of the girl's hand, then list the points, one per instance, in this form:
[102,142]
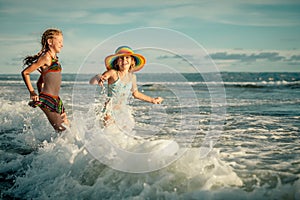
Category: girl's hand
[103,78]
[34,96]
[65,119]
[157,100]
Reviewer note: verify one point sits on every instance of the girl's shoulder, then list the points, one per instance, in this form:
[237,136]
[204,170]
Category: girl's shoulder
[112,72]
[132,75]
[44,60]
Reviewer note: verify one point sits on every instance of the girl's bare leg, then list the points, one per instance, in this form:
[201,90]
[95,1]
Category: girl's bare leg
[55,120]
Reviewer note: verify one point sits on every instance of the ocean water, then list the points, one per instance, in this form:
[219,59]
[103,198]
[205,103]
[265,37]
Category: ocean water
[254,151]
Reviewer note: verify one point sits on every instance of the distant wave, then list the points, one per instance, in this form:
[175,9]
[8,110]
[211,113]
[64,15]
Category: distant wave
[262,84]
[241,80]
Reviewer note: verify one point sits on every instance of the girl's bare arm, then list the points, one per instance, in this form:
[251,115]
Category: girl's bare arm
[44,60]
[138,95]
[101,78]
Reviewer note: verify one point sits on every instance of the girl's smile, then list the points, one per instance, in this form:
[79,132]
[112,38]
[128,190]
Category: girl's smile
[56,43]
[124,61]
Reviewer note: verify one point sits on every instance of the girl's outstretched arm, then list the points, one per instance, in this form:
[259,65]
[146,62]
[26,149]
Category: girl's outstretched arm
[99,79]
[95,80]
[138,95]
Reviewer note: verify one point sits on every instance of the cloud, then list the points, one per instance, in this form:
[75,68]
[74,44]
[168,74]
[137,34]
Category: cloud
[258,13]
[87,24]
[255,60]
[294,58]
[247,60]
[93,12]
[183,57]
[269,56]
[236,12]
[241,55]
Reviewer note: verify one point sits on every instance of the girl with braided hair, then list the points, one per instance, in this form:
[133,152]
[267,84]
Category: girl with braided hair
[46,62]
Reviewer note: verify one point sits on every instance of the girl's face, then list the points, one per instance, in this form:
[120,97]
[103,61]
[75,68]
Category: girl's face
[56,43]
[124,62]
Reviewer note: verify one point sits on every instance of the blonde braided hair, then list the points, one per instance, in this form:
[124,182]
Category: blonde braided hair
[48,34]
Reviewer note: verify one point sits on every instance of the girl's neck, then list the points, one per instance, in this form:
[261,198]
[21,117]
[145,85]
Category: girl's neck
[122,73]
[53,55]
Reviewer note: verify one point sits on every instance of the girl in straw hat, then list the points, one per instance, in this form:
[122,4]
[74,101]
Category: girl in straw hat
[121,80]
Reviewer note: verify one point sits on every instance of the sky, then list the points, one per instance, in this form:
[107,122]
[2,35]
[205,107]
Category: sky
[238,35]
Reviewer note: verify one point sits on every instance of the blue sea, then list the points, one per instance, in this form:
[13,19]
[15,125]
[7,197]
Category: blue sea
[247,124]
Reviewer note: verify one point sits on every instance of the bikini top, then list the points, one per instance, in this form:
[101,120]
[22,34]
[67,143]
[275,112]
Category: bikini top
[54,67]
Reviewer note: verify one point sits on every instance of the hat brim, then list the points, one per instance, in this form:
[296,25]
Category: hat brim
[139,61]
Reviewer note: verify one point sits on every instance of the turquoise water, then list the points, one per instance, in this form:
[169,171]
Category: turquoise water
[256,155]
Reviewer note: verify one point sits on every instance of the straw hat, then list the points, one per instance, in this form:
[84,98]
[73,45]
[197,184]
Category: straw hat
[125,51]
